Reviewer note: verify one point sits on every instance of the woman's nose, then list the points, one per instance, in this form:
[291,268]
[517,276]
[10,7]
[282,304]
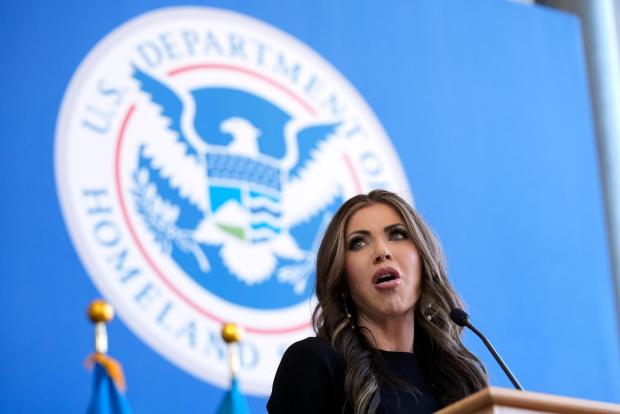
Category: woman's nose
[381,253]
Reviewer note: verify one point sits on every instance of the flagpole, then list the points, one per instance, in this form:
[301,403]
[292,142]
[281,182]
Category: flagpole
[100,313]
[234,402]
[232,334]
[109,382]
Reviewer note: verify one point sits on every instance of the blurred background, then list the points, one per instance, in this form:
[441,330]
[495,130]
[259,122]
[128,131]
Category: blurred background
[498,119]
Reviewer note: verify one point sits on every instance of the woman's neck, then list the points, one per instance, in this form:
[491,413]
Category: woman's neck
[394,334]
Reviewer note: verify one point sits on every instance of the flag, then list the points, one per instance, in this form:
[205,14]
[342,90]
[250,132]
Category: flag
[234,402]
[108,388]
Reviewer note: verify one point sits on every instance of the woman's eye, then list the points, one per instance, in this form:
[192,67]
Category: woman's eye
[357,243]
[398,234]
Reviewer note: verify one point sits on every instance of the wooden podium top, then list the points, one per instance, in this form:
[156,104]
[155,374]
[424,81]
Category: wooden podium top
[494,400]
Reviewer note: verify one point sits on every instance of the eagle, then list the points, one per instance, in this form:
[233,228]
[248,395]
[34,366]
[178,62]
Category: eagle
[226,168]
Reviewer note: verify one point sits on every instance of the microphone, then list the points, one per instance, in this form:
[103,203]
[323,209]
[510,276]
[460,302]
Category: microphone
[461,318]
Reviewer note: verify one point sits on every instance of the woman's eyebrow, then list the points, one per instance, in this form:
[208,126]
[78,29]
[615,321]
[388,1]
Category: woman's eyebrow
[362,231]
[386,229]
[391,227]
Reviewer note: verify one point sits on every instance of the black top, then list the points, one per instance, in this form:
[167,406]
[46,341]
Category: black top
[310,379]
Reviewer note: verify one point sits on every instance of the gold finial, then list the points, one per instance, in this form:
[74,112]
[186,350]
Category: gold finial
[232,333]
[100,311]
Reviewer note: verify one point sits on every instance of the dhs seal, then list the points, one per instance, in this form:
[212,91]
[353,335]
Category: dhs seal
[200,155]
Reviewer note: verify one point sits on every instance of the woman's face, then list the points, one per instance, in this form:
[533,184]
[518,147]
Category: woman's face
[382,263]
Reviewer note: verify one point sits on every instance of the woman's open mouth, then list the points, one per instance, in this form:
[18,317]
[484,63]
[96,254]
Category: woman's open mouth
[386,277]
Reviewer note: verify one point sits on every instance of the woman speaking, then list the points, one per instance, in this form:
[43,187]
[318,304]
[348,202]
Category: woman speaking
[385,342]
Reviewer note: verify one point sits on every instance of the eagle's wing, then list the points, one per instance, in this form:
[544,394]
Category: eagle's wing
[166,142]
[315,181]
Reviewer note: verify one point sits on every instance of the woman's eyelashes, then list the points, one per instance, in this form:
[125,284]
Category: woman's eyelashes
[357,242]
[398,233]
[394,234]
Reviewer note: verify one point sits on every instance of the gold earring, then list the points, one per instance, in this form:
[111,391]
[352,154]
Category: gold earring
[428,312]
[346,309]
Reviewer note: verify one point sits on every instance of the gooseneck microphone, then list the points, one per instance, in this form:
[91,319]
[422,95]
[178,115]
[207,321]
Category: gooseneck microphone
[461,318]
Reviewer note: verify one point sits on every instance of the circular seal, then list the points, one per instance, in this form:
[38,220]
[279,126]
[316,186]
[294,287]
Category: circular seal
[199,156]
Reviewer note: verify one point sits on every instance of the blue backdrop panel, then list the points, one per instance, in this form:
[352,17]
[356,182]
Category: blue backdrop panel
[487,104]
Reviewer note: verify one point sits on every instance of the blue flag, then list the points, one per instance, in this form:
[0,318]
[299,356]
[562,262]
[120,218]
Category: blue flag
[234,402]
[107,398]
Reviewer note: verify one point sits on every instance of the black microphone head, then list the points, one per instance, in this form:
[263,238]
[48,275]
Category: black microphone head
[459,316]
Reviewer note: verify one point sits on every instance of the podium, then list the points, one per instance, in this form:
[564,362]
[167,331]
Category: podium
[495,400]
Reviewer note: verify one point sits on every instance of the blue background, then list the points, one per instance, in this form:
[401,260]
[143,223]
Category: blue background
[487,104]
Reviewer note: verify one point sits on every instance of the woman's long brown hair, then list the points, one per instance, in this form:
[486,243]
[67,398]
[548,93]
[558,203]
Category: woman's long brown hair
[450,369]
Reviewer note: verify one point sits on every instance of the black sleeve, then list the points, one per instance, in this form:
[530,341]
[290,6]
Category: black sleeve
[308,380]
